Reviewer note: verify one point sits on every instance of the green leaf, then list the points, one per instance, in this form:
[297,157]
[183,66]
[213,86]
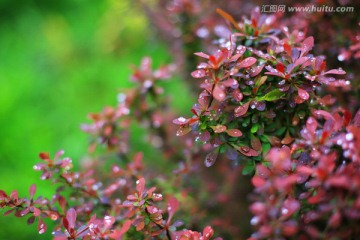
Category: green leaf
[249,168]
[273,95]
[254,128]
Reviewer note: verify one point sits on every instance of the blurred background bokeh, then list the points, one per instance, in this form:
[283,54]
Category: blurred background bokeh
[60,60]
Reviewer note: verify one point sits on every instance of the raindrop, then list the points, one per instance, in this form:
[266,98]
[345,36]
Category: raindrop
[261,106]
[107,219]
[147,84]
[282,82]
[254,221]
[349,136]
[284,211]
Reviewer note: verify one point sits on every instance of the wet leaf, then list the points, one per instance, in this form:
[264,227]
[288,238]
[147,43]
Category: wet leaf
[307,45]
[183,130]
[234,132]
[219,128]
[219,93]
[140,185]
[241,110]
[338,71]
[247,62]
[303,94]
[247,151]
[273,95]
[71,218]
[199,73]
[41,226]
[211,157]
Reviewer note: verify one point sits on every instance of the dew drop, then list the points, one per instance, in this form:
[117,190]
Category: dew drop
[147,84]
[349,136]
[107,219]
[284,211]
[254,221]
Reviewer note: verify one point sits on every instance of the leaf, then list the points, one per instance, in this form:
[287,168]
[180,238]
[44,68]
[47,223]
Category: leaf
[201,54]
[71,218]
[218,93]
[234,132]
[241,110]
[32,190]
[307,45]
[280,67]
[273,95]
[31,220]
[41,226]
[140,185]
[228,17]
[44,156]
[219,128]
[303,94]
[199,73]
[172,206]
[211,157]
[255,143]
[247,62]
[208,232]
[338,71]
[183,130]
[247,151]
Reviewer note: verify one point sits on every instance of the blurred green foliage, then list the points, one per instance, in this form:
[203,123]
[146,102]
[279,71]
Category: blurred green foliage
[60,60]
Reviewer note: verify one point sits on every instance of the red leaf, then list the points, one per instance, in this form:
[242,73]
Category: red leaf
[241,110]
[258,181]
[255,143]
[71,218]
[172,206]
[41,226]
[287,49]
[218,93]
[211,158]
[307,45]
[303,94]
[117,234]
[36,211]
[228,17]
[183,130]
[247,62]
[140,185]
[44,156]
[32,190]
[325,114]
[199,73]
[247,151]
[338,71]
[280,67]
[208,232]
[201,54]
[219,128]
[234,132]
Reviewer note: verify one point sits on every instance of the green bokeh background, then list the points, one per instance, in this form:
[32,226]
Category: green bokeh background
[60,60]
